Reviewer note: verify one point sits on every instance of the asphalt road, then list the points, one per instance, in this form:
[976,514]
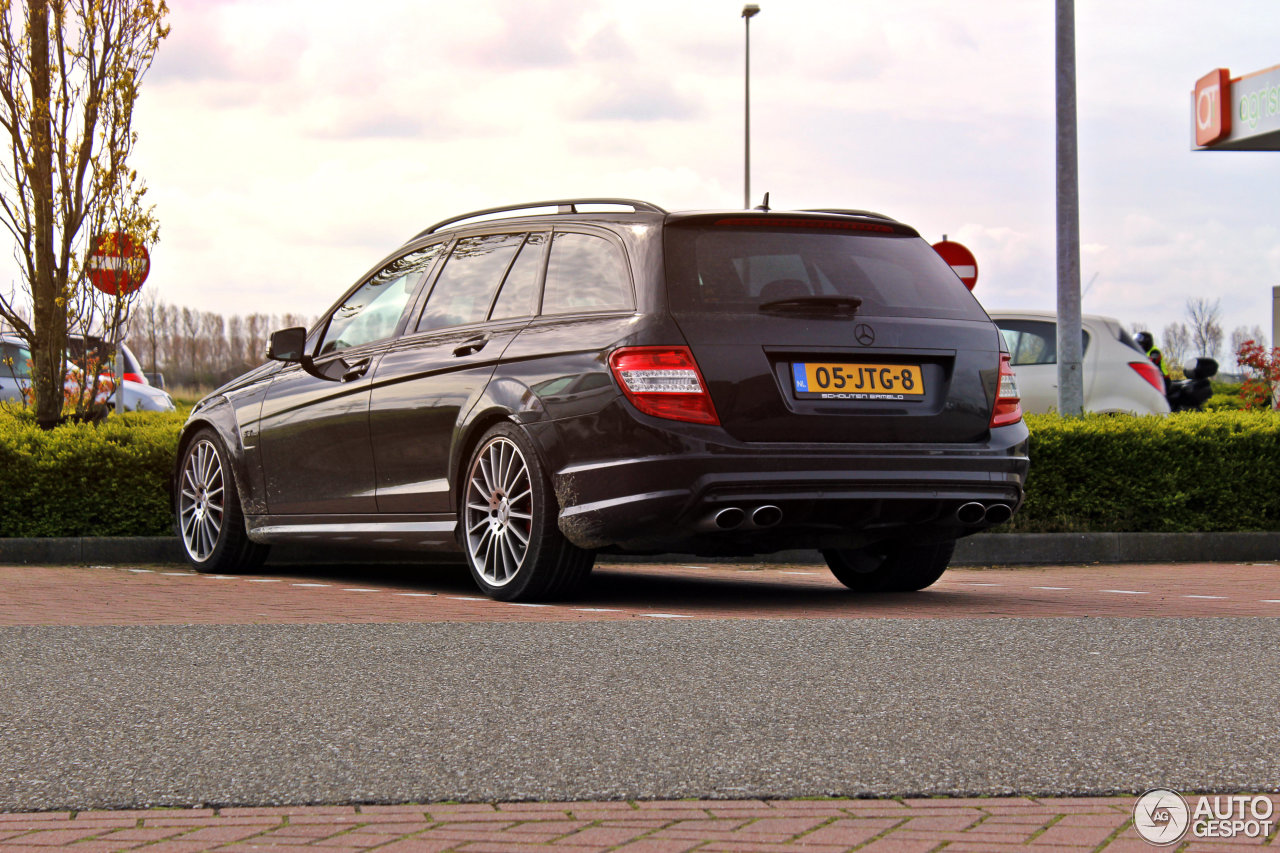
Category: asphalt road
[286,714]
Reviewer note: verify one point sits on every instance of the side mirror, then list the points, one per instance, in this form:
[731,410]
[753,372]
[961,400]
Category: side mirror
[287,345]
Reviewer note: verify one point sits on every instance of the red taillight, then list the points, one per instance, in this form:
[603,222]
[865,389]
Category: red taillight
[1008,408]
[1149,372]
[136,377]
[664,382]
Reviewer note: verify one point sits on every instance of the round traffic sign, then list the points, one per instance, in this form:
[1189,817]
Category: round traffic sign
[117,265]
[961,260]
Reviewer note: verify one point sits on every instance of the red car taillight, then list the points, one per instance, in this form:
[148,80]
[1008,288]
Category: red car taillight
[136,377]
[1149,372]
[1008,408]
[664,382]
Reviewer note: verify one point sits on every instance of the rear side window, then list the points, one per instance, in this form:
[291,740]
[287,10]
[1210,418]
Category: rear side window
[728,270]
[1034,341]
[465,288]
[585,273]
[519,294]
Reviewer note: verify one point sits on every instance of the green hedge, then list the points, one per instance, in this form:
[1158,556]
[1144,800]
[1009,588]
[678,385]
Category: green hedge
[1193,471]
[87,480]
[1198,471]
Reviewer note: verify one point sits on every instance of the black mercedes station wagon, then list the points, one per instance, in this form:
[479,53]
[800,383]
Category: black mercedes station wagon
[533,385]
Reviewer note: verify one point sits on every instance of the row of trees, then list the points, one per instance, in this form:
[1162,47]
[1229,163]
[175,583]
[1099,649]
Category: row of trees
[1202,335]
[200,349]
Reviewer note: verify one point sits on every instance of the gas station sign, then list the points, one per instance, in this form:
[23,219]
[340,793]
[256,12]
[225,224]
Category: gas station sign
[1236,115]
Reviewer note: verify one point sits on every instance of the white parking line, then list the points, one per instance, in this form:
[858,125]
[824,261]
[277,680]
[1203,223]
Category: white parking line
[221,577]
[465,598]
[522,604]
[1124,591]
[1270,600]
[1053,588]
[263,580]
[176,574]
[417,594]
[668,615]
[597,609]
[1209,597]
[358,589]
[308,584]
[142,571]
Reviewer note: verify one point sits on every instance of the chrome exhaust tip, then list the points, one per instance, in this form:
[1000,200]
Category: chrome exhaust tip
[971,513]
[999,513]
[729,518]
[766,516]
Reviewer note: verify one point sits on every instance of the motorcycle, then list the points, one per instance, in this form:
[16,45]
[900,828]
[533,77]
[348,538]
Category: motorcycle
[1190,394]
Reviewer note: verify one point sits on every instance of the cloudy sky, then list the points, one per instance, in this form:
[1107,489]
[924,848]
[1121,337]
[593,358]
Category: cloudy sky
[290,145]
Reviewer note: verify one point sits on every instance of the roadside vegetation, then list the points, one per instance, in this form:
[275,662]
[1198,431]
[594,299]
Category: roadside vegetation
[1196,471]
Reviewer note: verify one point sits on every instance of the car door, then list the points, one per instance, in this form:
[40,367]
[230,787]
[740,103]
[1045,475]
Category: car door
[316,452]
[484,294]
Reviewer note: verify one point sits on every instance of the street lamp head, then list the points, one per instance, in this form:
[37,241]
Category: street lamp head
[750,10]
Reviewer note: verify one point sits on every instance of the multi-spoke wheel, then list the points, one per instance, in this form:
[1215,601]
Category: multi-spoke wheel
[508,515]
[891,566]
[207,509]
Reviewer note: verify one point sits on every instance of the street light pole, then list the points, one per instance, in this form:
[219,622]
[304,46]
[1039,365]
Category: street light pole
[749,11]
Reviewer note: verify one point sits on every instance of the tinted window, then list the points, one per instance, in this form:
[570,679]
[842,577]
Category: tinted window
[373,311]
[519,295]
[15,362]
[466,285]
[725,270]
[1034,341]
[585,273]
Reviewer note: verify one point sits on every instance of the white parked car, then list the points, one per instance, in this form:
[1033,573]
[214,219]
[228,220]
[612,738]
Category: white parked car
[139,394]
[1118,376]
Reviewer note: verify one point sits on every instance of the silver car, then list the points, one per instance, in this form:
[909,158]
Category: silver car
[1118,376]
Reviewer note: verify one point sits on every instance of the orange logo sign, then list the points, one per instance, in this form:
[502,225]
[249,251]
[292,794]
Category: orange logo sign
[1213,107]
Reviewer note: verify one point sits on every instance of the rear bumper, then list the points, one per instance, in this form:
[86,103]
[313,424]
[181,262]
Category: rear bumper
[826,496]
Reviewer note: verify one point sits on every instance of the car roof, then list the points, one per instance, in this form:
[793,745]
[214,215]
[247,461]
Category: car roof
[1007,314]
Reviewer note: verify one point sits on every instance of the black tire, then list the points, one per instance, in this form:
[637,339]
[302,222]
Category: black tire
[891,566]
[507,523]
[207,514]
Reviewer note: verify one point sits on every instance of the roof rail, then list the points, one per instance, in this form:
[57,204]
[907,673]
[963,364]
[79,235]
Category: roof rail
[569,205]
[843,212]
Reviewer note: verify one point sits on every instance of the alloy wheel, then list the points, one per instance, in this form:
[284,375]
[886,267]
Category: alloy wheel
[202,500]
[499,511]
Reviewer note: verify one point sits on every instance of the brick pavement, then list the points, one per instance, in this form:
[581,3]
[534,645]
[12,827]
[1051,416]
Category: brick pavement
[715,826]
[69,595]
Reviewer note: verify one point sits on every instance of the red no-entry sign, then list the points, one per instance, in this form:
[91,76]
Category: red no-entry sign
[960,259]
[117,265]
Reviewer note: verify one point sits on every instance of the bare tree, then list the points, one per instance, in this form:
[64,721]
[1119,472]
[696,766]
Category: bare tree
[69,77]
[1206,326]
[1176,344]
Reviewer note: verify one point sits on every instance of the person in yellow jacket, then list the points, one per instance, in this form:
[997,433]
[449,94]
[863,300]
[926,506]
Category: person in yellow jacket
[1148,344]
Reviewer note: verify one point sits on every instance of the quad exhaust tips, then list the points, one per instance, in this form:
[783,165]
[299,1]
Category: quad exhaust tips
[732,517]
[975,513]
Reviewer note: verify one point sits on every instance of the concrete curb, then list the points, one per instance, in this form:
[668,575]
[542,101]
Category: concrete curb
[1005,549]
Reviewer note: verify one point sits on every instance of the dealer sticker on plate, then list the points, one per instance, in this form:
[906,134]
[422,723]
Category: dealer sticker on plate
[829,381]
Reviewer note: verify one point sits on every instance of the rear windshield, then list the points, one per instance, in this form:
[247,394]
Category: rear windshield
[728,270]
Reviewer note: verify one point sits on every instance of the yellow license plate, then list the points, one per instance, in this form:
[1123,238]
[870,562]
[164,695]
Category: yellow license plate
[857,381]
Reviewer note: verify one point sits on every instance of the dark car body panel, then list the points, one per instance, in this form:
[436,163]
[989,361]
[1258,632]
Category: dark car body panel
[377,459]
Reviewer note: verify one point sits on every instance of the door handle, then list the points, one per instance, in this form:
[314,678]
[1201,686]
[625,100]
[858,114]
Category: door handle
[470,347]
[355,371]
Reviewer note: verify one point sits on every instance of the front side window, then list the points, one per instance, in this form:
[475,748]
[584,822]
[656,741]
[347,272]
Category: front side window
[374,310]
[15,361]
[585,273]
[464,290]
